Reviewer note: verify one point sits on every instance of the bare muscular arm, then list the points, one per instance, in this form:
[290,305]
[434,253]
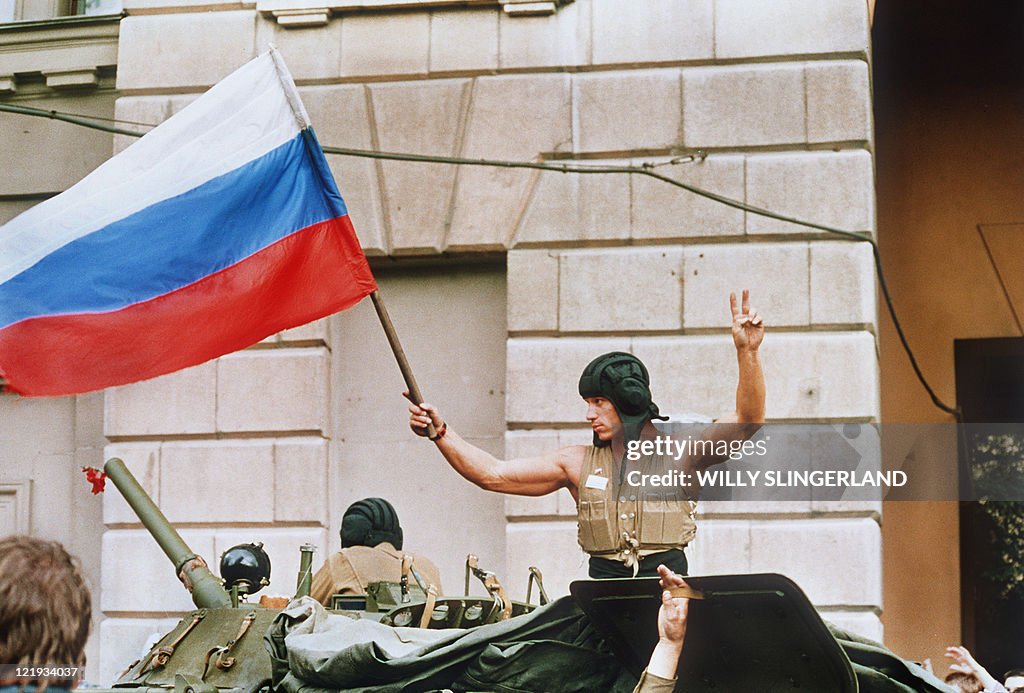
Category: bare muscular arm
[528,476]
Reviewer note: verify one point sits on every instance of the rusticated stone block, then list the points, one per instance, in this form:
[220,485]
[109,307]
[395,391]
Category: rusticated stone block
[691,374]
[647,295]
[149,585]
[838,101]
[720,547]
[743,106]
[150,110]
[421,118]
[181,402]
[663,211]
[835,561]
[775,273]
[197,480]
[534,107]
[488,201]
[150,51]
[486,208]
[576,207]
[282,545]
[521,444]
[312,52]
[809,388]
[372,44]
[842,283]
[273,390]
[634,109]
[745,29]
[698,373]
[790,501]
[832,188]
[870,508]
[531,506]
[316,331]
[122,641]
[463,39]
[532,290]
[300,480]
[649,31]
[562,38]
[143,461]
[25,138]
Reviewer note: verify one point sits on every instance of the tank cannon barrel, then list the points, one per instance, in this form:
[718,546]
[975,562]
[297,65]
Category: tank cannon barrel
[206,589]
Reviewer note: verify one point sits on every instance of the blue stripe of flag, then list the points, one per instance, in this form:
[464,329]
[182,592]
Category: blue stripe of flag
[178,241]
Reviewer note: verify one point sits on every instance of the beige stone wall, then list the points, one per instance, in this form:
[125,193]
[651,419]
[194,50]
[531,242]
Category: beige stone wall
[775,92]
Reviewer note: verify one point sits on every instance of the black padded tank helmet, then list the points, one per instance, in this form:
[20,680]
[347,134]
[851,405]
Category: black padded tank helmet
[369,522]
[623,380]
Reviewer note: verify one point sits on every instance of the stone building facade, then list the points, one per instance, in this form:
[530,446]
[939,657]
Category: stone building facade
[503,283]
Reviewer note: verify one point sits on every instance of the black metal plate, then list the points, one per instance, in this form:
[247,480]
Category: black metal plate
[750,633]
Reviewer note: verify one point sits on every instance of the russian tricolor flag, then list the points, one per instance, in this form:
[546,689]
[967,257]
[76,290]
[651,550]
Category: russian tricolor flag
[220,227]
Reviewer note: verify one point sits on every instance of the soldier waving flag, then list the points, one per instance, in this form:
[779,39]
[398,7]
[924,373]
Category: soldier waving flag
[616,389]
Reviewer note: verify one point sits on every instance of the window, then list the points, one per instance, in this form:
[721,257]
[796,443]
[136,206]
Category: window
[95,6]
[36,10]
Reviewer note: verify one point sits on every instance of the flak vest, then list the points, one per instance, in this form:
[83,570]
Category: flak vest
[623,522]
[350,570]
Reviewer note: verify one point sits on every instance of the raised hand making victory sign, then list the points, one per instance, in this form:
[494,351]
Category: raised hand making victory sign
[747,326]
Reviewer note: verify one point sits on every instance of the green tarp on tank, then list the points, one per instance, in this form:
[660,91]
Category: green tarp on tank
[555,648]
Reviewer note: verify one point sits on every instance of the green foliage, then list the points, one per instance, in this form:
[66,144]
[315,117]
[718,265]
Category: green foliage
[997,470]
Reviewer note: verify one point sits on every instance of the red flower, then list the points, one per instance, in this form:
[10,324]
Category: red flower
[95,477]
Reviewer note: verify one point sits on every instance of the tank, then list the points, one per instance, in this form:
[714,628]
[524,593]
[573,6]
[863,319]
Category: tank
[744,632]
[219,646]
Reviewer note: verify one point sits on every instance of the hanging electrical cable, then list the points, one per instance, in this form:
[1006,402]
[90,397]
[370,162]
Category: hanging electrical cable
[642,170]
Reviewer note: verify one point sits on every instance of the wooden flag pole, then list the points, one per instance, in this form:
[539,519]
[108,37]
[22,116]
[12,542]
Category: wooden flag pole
[396,347]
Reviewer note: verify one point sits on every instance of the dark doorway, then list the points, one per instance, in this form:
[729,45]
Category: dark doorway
[990,392]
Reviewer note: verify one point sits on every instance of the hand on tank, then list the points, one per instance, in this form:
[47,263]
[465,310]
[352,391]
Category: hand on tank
[421,414]
[672,614]
[747,326]
[671,627]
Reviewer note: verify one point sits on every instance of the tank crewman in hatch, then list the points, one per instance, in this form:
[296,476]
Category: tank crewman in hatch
[616,389]
[371,551]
